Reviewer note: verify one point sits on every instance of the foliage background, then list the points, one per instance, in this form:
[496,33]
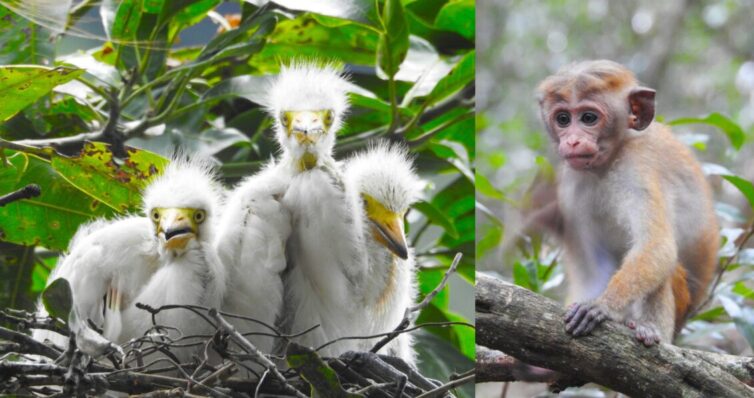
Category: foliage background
[158,74]
[699,55]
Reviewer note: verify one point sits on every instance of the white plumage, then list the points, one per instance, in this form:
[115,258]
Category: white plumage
[251,244]
[257,221]
[164,258]
[385,180]
[325,253]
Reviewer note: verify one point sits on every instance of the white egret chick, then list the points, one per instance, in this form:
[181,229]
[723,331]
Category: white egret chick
[164,258]
[251,244]
[325,252]
[183,205]
[108,263]
[385,179]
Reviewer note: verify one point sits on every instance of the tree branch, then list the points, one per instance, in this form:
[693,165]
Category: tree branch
[530,327]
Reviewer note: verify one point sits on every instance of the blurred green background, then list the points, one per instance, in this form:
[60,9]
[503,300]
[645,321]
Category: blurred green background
[698,55]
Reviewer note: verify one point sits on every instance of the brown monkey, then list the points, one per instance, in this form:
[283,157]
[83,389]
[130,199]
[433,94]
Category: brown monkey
[639,228]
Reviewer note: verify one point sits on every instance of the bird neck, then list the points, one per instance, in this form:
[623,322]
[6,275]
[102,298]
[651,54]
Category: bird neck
[303,160]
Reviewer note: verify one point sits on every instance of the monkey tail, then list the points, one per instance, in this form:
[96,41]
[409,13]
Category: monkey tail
[681,295]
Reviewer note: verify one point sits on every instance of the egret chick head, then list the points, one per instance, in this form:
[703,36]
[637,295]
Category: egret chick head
[182,203]
[385,179]
[308,101]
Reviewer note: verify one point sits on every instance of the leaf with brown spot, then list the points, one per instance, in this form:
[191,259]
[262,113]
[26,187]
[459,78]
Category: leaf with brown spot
[95,172]
[51,219]
[22,85]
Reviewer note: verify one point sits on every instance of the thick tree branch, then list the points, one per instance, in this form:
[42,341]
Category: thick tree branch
[494,366]
[530,327]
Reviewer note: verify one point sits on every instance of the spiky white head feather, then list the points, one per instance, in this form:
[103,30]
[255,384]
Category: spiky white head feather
[386,172]
[186,195]
[308,101]
[383,176]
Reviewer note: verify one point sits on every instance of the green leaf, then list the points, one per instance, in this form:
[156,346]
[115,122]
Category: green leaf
[429,279]
[211,141]
[58,299]
[249,38]
[485,187]
[438,359]
[50,219]
[734,132]
[459,77]
[491,237]
[393,45]
[187,12]
[710,315]
[20,86]
[323,379]
[458,16]
[306,37]
[97,173]
[437,217]
[742,290]
[253,88]
[40,273]
[743,185]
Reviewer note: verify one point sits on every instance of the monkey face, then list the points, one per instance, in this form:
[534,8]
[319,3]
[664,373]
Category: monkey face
[577,131]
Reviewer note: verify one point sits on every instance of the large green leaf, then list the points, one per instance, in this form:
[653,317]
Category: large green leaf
[97,173]
[437,217]
[21,85]
[734,132]
[459,77]
[745,186]
[458,16]
[51,219]
[393,45]
[305,36]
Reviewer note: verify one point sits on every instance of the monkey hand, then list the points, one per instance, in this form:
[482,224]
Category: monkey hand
[582,318]
[647,333]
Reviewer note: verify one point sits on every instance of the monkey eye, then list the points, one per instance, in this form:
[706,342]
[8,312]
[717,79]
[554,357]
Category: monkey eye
[563,119]
[589,118]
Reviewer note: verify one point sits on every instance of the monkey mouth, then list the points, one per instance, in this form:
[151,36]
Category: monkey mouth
[581,161]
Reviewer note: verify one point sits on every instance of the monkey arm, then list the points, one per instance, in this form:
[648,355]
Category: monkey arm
[652,259]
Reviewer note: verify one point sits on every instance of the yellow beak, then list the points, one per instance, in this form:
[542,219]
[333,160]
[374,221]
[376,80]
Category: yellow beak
[177,226]
[390,234]
[307,126]
[387,226]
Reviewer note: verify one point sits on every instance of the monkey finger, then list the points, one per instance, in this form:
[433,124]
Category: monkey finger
[595,317]
[572,309]
[576,319]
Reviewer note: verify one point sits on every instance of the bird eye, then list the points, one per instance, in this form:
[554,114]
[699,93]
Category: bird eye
[285,119]
[155,214]
[589,118]
[563,119]
[199,216]
[328,118]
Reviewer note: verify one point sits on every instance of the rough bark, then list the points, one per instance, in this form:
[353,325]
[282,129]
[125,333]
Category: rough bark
[529,327]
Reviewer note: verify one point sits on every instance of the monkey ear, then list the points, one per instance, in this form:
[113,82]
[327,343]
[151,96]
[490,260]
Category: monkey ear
[642,103]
